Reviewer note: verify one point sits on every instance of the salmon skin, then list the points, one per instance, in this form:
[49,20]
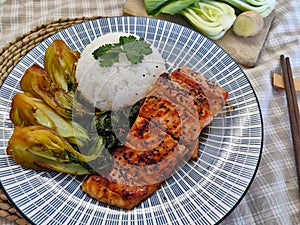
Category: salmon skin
[164,136]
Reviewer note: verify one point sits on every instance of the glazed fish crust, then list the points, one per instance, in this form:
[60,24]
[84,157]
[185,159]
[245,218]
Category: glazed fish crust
[163,137]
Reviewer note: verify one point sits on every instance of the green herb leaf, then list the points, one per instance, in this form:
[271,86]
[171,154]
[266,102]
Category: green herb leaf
[100,51]
[135,50]
[107,54]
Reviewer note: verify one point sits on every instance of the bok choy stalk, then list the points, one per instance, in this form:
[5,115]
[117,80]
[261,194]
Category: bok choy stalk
[37,81]
[60,62]
[262,7]
[41,148]
[211,18]
[27,110]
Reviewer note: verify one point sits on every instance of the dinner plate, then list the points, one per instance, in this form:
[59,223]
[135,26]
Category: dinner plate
[203,191]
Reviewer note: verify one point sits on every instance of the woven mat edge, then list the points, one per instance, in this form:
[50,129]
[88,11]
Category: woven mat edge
[10,55]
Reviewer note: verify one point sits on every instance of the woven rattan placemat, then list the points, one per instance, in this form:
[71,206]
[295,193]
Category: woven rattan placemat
[10,55]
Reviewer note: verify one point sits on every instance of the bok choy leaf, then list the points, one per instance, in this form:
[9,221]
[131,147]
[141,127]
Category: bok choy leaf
[262,7]
[154,8]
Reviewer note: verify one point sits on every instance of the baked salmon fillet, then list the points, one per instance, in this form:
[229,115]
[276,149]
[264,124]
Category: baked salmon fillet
[164,136]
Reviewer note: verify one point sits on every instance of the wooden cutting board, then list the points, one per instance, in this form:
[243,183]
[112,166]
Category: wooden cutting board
[244,51]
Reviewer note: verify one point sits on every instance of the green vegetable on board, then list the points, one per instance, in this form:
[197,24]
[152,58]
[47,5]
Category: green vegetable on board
[212,18]
[135,50]
[262,7]
[154,7]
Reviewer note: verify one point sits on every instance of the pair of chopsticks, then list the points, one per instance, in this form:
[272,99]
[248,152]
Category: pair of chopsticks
[293,110]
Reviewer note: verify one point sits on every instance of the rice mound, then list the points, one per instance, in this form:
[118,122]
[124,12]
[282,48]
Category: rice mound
[120,85]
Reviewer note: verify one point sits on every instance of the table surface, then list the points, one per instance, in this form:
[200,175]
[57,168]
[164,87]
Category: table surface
[273,197]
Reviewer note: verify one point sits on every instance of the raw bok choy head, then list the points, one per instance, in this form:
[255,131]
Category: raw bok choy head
[155,7]
[262,7]
[211,18]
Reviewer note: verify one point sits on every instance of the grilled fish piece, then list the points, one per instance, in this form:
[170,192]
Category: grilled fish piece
[139,168]
[169,116]
[185,100]
[215,94]
[113,193]
[163,137]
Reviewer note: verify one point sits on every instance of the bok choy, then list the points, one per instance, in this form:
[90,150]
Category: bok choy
[37,81]
[154,7]
[43,149]
[262,7]
[27,110]
[211,18]
[60,62]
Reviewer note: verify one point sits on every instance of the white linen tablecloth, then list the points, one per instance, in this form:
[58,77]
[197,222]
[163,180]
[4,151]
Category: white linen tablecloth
[273,197]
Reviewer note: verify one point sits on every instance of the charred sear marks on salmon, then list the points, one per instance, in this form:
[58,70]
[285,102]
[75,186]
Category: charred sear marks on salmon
[163,137]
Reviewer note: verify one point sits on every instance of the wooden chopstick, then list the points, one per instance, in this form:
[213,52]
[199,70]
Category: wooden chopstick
[293,110]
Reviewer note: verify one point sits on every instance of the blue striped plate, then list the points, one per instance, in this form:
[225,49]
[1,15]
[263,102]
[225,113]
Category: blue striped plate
[201,192]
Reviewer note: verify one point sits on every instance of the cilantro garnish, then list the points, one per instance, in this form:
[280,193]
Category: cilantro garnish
[135,50]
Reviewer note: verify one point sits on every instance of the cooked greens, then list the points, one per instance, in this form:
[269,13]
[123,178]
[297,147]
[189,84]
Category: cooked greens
[54,127]
[113,126]
[49,135]
[37,81]
[60,63]
[41,148]
[27,110]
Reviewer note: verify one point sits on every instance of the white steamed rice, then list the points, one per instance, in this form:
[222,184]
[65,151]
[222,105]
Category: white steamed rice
[120,85]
